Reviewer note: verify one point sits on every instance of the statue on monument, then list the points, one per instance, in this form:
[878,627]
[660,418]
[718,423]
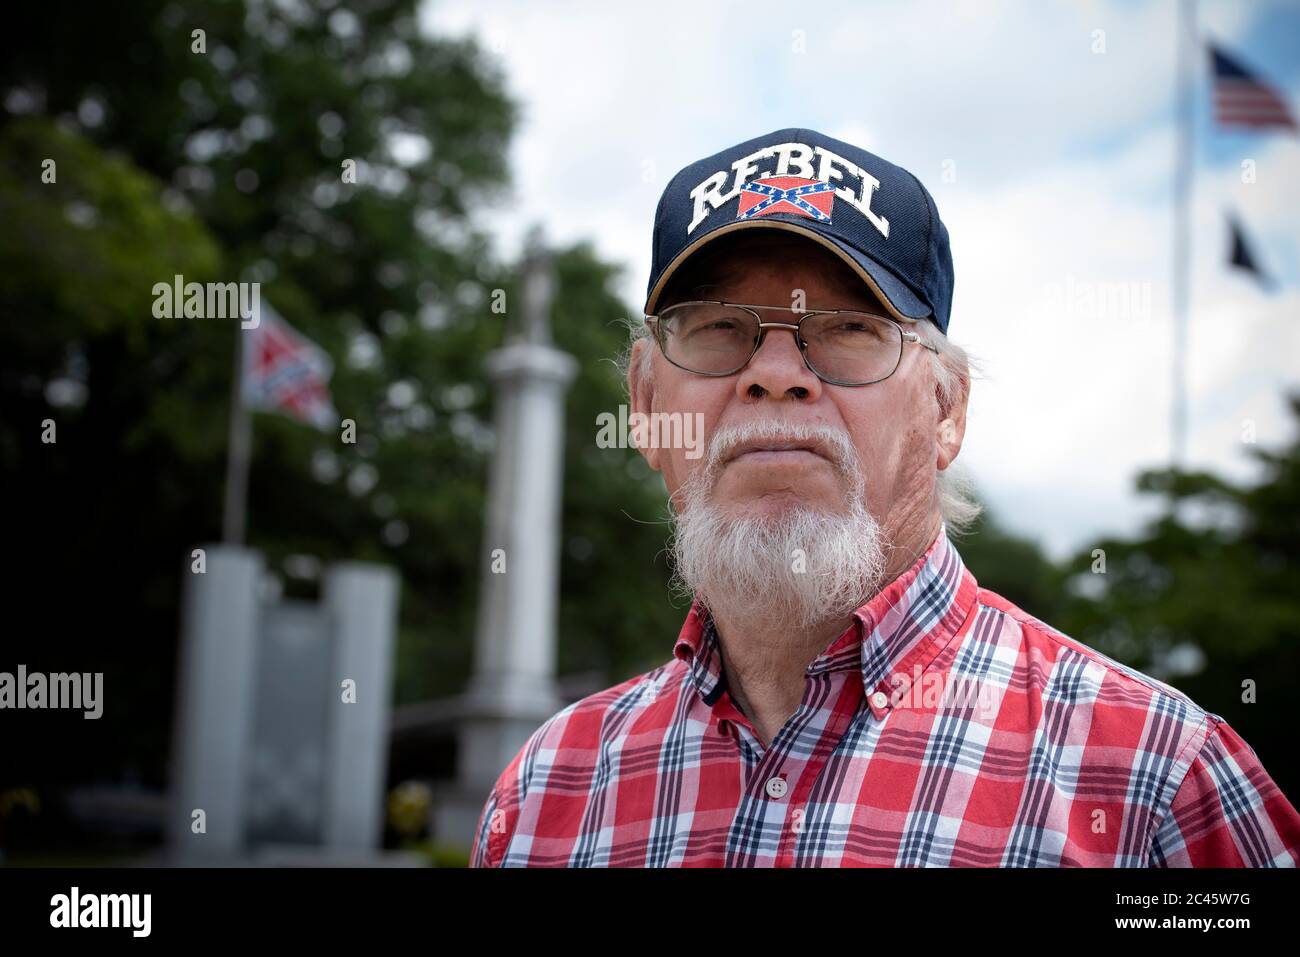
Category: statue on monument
[537,290]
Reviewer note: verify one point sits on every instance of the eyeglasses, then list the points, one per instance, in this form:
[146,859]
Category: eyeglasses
[839,346]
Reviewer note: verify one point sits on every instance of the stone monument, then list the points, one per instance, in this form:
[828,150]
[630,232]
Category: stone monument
[513,686]
[281,733]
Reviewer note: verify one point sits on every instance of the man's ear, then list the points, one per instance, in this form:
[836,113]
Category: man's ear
[640,389]
[951,428]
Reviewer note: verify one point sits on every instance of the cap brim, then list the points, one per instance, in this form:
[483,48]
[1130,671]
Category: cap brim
[895,294]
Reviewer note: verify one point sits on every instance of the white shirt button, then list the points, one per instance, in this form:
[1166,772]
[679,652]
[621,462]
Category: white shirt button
[776,787]
[880,699]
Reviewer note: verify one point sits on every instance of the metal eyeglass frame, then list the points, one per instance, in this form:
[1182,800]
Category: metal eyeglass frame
[653,322]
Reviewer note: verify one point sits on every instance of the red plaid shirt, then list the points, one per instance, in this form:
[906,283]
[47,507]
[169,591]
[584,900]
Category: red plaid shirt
[945,727]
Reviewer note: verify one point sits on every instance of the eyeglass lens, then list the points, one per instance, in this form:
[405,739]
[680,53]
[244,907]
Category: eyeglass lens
[718,339]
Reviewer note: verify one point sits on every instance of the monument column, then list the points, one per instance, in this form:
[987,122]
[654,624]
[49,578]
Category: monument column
[513,687]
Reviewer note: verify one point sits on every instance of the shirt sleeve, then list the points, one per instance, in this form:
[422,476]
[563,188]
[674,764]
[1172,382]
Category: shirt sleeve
[1227,811]
[480,855]
[499,817]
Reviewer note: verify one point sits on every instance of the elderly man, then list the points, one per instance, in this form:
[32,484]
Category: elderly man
[843,692]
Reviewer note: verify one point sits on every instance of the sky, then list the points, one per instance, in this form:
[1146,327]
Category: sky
[1046,133]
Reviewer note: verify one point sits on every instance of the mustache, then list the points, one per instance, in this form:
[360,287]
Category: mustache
[835,442]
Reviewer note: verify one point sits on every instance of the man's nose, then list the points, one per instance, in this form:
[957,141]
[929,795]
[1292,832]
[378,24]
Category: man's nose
[778,369]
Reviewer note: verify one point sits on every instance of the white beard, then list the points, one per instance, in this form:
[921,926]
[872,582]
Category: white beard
[793,571]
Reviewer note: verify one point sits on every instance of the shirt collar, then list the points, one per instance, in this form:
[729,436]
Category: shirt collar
[895,637]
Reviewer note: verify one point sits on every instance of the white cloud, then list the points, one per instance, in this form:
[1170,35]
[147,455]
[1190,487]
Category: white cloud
[1064,162]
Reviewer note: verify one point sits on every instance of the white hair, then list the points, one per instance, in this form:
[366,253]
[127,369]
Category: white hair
[953,369]
[793,571]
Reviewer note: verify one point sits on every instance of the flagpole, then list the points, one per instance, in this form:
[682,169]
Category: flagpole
[238,451]
[1184,165]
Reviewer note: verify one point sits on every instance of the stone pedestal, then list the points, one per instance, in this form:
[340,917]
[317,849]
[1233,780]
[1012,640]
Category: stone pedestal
[269,744]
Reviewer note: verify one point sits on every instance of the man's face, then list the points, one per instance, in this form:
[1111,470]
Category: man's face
[893,426]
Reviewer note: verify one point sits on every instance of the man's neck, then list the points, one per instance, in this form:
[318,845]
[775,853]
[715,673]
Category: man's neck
[765,667]
[765,661]
[906,549]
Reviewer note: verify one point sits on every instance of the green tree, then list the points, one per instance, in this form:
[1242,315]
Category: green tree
[228,155]
[1206,597]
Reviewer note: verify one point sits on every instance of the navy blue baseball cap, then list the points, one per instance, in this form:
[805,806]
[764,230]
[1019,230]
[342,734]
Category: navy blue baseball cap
[874,215]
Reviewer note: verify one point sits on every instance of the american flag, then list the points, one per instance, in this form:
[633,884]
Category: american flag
[284,371]
[1242,98]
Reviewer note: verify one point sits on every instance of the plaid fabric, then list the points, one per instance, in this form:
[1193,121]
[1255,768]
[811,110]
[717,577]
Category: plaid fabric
[945,727]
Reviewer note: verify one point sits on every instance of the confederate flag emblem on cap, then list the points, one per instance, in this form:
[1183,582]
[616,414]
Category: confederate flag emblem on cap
[787,194]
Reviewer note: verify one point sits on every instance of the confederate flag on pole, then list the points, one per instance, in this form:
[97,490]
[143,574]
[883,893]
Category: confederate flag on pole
[284,371]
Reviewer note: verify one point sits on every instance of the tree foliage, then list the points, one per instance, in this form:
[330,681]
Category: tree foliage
[1205,597]
[231,163]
